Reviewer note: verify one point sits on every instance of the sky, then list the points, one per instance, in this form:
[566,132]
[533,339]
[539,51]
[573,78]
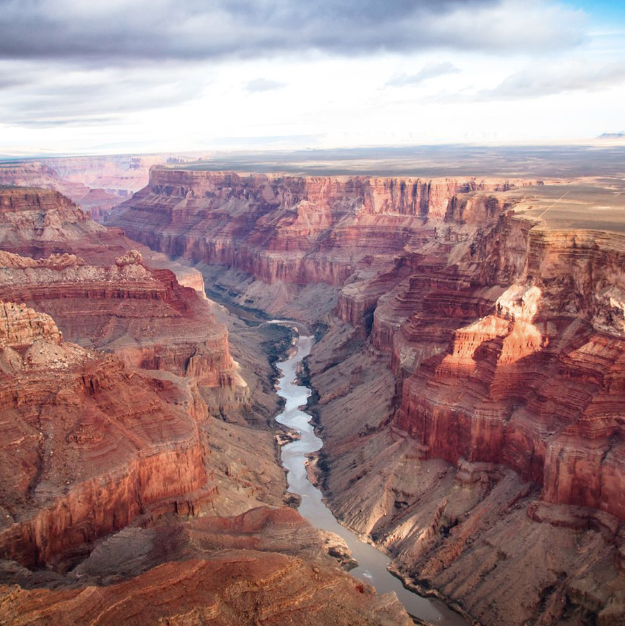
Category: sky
[182,75]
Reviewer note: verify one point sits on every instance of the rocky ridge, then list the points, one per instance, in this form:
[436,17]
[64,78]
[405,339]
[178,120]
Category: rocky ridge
[294,229]
[83,430]
[262,567]
[102,295]
[97,183]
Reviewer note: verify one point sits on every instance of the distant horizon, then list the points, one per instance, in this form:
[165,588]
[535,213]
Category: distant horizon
[605,158]
[607,140]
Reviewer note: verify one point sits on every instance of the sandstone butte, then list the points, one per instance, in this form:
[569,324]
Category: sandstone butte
[469,377]
[111,374]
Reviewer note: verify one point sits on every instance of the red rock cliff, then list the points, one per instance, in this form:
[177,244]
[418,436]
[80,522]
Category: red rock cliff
[107,297]
[535,382]
[292,229]
[87,445]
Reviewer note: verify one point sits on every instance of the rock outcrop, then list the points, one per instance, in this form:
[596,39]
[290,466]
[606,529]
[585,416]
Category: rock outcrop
[116,434]
[98,447]
[501,427]
[87,445]
[97,183]
[262,567]
[537,383]
[294,229]
[102,295]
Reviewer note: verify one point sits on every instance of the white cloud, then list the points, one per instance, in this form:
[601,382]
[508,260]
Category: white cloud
[126,73]
[259,85]
[429,71]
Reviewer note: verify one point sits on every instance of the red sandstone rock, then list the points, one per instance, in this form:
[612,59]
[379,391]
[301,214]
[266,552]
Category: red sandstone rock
[292,229]
[91,446]
[86,445]
[535,384]
[506,343]
[263,567]
[107,298]
[96,183]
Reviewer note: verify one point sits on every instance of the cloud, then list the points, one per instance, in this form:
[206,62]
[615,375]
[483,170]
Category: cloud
[540,80]
[259,85]
[549,80]
[58,94]
[431,70]
[122,31]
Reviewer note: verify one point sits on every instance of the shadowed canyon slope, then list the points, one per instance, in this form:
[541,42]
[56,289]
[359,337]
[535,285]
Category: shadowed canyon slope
[124,417]
[471,379]
[261,567]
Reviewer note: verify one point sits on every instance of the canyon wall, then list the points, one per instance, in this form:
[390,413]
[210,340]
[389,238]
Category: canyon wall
[124,418]
[95,445]
[294,229]
[470,380]
[97,183]
[103,295]
[536,384]
[263,566]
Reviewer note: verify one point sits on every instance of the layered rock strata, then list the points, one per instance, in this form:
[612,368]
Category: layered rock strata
[96,183]
[99,447]
[470,381]
[94,445]
[536,384]
[293,229]
[109,298]
[494,453]
[262,567]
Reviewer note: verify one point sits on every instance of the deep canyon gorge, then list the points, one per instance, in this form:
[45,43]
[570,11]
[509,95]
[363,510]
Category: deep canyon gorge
[467,377]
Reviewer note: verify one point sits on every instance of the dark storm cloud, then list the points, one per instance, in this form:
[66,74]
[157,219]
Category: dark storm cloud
[123,30]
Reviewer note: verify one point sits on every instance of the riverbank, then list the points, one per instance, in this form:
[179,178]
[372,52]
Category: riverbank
[372,563]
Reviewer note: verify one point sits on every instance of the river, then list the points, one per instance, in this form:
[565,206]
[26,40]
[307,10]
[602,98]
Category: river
[372,562]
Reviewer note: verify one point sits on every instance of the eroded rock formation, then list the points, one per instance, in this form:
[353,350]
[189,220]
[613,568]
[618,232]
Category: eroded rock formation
[94,443]
[294,229]
[97,442]
[508,360]
[262,567]
[96,183]
[470,381]
[102,295]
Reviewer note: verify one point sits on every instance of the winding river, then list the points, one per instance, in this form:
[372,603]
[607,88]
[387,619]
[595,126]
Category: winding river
[372,562]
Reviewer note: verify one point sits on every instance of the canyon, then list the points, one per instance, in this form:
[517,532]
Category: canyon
[468,375]
[126,471]
[98,183]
